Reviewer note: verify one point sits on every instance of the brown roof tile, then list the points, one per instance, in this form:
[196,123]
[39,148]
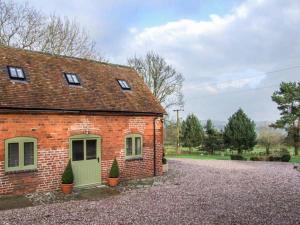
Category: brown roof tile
[47,89]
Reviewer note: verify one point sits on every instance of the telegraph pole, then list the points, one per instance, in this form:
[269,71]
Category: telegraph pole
[177,127]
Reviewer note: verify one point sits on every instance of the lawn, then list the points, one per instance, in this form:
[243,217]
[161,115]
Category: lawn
[224,155]
[201,157]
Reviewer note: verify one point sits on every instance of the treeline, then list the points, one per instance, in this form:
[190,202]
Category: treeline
[239,134]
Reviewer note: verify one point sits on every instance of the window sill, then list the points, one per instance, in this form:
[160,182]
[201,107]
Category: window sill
[134,159]
[21,171]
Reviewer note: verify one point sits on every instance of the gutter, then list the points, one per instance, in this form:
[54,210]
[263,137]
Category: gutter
[13,110]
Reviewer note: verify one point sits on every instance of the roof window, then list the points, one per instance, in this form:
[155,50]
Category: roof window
[124,85]
[16,73]
[72,78]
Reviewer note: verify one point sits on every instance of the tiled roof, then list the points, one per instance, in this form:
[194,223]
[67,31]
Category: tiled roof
[46,87]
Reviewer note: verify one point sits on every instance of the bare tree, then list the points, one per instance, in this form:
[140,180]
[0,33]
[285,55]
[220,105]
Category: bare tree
[162,79]
[20,25]
[269,137]
[24,27]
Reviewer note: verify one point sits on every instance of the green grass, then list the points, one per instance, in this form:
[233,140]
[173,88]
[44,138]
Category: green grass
[201,157]
[224,155]
[295,159]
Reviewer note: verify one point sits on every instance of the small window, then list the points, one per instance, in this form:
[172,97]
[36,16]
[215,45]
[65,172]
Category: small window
[16,73]
[124,85]
[133,146]
[84,147]
[72,78]
[20,154]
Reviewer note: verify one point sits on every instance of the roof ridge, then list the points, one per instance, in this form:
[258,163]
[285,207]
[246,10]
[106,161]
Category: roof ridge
[65,56]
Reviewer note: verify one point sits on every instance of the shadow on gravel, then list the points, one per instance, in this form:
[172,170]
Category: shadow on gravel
[13,202]
[33,199]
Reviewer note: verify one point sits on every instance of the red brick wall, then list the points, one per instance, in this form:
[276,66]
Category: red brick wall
[53,132]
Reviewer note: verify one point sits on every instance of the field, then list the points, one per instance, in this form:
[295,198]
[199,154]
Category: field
[222,155]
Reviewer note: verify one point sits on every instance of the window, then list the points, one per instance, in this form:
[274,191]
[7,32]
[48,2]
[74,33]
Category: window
[124,85]
[133,146]
[72,78]
[85,147]
[16,73]
[20,154]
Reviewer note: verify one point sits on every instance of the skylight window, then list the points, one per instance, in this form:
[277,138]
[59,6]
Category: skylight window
[72,78]
[124,85]
[16,73]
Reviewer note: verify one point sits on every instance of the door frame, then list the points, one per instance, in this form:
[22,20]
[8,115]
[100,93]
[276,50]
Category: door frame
[98,149]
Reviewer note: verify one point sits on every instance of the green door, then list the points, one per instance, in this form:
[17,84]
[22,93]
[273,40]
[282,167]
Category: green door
[85,157]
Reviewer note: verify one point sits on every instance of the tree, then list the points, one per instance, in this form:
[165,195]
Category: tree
[269,137]
[239,133]
[22,26]
[288,101]
[163,80]
[213,138]
[191,132]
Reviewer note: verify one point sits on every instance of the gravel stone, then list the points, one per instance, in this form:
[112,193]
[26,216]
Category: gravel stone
[192,192]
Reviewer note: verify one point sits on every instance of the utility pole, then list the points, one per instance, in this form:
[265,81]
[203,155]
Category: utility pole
[177,127]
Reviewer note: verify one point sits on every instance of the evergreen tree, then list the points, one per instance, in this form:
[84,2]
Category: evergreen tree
[288,100]
[213,138]
[191,132]
[239,133]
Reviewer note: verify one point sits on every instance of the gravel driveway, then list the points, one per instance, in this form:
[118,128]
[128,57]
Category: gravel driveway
[193,192]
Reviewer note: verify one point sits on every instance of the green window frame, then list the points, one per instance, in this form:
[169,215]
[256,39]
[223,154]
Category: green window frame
[20,145]
[133,146]
[84,138]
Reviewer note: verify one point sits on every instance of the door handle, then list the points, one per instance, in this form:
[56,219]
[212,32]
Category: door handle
[98,159]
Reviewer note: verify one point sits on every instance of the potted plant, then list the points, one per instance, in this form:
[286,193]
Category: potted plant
[165,165]
[67,179]
[113,178]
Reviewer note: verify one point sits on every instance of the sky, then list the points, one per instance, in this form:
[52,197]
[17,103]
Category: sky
[232,53]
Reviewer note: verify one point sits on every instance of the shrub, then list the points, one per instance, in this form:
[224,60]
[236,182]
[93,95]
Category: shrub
[274,158]
[164,160]
[237,157]
[255,158]
[68,176]
[114,171]
[285,158]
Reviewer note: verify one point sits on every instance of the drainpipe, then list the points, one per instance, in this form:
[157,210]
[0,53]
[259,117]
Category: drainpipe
[154,146]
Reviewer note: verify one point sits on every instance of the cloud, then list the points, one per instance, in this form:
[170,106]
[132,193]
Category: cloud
[229,53]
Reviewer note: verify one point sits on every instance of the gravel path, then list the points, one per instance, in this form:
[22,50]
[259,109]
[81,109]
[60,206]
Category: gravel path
[194,192]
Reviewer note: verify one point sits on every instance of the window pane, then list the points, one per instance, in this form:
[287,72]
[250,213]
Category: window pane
[13,72]
[126,85]
[128,146]
[77,150]
[70,79]
[28,153]
[75,79]
[13,154]
[91,149]
[123,84]
[138,146]
[20,73]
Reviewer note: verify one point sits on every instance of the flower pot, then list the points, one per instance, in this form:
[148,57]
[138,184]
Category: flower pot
[112,181]
[165,168]
[67,188]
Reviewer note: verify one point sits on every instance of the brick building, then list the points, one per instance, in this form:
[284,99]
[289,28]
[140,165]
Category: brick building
[55,108]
